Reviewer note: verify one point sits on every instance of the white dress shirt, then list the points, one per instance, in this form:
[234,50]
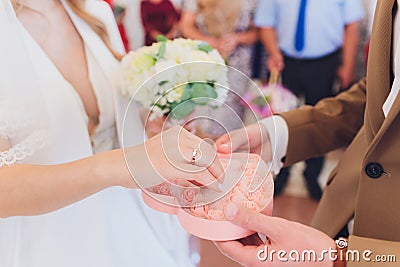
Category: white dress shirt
[276,124]
[396,65]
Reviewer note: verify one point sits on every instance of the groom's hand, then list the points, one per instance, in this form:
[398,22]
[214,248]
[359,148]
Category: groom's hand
[283,235]
[250,139]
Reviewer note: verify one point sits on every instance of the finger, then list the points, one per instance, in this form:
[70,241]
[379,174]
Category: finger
[183,183]
[217,170]
[234,141]
[240,141]
[272,227]
[207,158]
[237,251]
[206,179]
[210,160]
[223,144]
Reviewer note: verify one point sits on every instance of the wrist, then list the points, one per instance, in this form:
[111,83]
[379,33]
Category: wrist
[276,53]
[110,169]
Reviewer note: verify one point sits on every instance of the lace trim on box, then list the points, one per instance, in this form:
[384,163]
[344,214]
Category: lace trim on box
[20,151]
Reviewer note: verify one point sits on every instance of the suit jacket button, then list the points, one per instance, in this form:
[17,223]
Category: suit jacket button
[374,170]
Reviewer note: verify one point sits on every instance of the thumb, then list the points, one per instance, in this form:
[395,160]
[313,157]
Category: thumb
[223,144]
[272,227]
[233,141]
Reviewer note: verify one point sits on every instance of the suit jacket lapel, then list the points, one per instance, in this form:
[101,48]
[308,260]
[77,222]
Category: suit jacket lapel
[393,113]
[378,73]
[380,126]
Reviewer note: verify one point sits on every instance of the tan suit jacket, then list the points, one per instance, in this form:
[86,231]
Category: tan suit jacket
[366,182]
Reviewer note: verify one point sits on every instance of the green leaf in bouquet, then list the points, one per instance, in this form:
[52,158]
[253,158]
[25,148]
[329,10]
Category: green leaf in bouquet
[186,95]
[205,47]
[161,50]
[212,93]
[202,92]
[182,109]
[154,57]
[161,38]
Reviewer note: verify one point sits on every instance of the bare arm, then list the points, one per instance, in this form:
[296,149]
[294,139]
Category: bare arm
[229,42]
[38,189]
[270,41]
[35,189]
[190,30]
[349,50]
[248,37]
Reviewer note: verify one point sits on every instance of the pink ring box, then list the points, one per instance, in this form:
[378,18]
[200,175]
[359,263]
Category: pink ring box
[247,182]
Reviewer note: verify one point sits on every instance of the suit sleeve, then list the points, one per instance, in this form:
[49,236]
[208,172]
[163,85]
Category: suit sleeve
[331,124]
[372,252]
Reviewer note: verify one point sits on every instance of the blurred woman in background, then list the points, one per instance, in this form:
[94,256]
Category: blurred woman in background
[159,17]
[227,25]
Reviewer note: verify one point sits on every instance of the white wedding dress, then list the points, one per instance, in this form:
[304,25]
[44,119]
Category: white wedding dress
[43,119]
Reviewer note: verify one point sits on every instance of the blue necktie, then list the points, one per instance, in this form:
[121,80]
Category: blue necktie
[299,38]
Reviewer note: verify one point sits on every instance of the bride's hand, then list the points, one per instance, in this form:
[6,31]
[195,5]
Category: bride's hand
[176,156]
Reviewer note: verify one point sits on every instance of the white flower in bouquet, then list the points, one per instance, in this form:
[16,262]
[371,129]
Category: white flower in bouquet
[175,76]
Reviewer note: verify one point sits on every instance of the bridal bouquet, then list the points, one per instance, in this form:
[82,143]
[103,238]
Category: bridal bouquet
[173,77]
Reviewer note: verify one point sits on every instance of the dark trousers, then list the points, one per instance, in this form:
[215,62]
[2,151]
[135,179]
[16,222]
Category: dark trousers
[313,79]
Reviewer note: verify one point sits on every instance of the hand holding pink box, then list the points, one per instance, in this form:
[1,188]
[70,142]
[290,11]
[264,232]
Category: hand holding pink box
[200,211]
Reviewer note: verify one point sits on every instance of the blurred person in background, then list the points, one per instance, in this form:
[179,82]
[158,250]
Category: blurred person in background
[311,43]
[226,25]
[159,17]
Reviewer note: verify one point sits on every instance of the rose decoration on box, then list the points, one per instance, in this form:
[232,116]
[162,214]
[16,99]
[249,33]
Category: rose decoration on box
[200,211]
[174,76]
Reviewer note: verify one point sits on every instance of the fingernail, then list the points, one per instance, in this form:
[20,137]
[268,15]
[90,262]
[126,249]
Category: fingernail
[225,145]
[230,210]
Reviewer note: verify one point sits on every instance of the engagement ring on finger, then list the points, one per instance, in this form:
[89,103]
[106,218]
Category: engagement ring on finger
[194,154]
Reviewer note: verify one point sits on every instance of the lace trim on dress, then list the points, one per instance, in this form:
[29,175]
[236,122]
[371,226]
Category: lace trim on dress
[24,149]
[12,128]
